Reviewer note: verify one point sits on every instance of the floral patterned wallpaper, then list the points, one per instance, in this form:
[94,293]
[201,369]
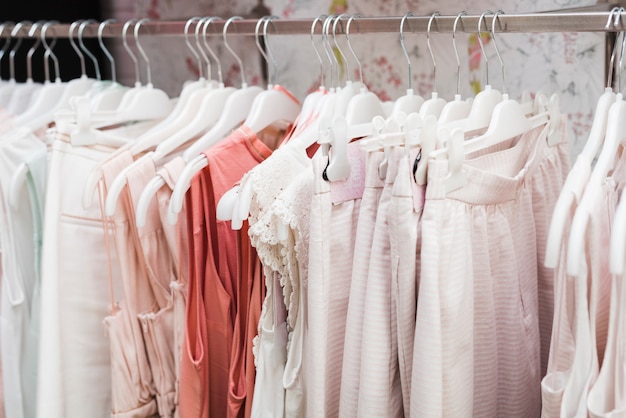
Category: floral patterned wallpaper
[570,64]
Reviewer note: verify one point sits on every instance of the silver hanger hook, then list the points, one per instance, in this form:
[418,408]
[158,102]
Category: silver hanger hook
[130,51]
[207,61]
[326,44]
[208,47]
[317,52]
[49,52]
[81,42]
[358,61]
[480,40]
[495,45]
[142,51]
[105,50]
[83,68]
[230,49]
[406,52]
[257,30]
[31,51]
[617,11]
[621,58]
[7,43]
[343,56]
[16,29]
[456,51]
[191,48]
[271,77]
[430,49]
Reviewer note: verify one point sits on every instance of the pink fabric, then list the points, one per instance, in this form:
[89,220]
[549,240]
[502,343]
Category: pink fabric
[211,309]
[132,381]
[351,373]
[405,246]
[379,347]
[477,340]
[331,247]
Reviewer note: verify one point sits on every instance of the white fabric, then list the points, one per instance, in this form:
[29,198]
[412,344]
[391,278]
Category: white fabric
[74,359]
[20,235]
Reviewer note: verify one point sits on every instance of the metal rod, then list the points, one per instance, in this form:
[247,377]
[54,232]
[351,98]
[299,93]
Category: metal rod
[514,23]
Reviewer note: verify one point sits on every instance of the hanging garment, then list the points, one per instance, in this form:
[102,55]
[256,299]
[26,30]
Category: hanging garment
[331,246]
[131,374]
[405,209]
[74,356]
[21,239]
[477,342]
[211,307]
[379,348]
[594,285]
[562,345]
[350,376]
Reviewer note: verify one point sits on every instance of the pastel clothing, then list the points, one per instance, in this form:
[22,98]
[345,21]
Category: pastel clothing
[477,338]
[379,347]
[211,308]
[74,356]
[20,237]
[405,210]
[331,247]
[351,367]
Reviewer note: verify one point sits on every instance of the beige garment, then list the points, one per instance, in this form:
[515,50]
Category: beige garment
[351,373]
[477,340]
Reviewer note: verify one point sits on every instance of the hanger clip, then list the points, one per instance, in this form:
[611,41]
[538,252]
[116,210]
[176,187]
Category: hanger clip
[81,135]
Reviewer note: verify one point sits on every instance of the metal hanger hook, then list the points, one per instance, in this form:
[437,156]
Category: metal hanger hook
[49,53]
[621,58]
[105,50]
[191,48]
[81,42]
[271,77]
[406,52]
[480,40]
[326,44]
[230,49]
[207,61]
[317,52]
[130,51]
[495,45]
[16,29]
[456,51]
[142,51]
[343,56]
[617,11]
[6,45]
[83,68]
[430,49]
[208,47]
[31,51]
[358,61]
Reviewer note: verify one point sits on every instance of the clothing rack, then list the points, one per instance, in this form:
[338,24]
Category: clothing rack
[584,19]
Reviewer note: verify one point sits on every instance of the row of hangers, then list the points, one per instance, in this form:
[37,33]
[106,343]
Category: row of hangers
[330,116]
[605,139]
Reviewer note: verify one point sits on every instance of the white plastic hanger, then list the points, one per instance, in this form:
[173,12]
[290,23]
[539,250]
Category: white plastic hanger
[111,97]
[40,111]
[508,121]
[235,106]
[232,117]
[139,103]
[410,102]
[614,138]
[361,111]
[435,104]
[347,92]
[272,105]
[164,128]
[484,102]
[577,179]
[8,88]
[456,109]
[22,95]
